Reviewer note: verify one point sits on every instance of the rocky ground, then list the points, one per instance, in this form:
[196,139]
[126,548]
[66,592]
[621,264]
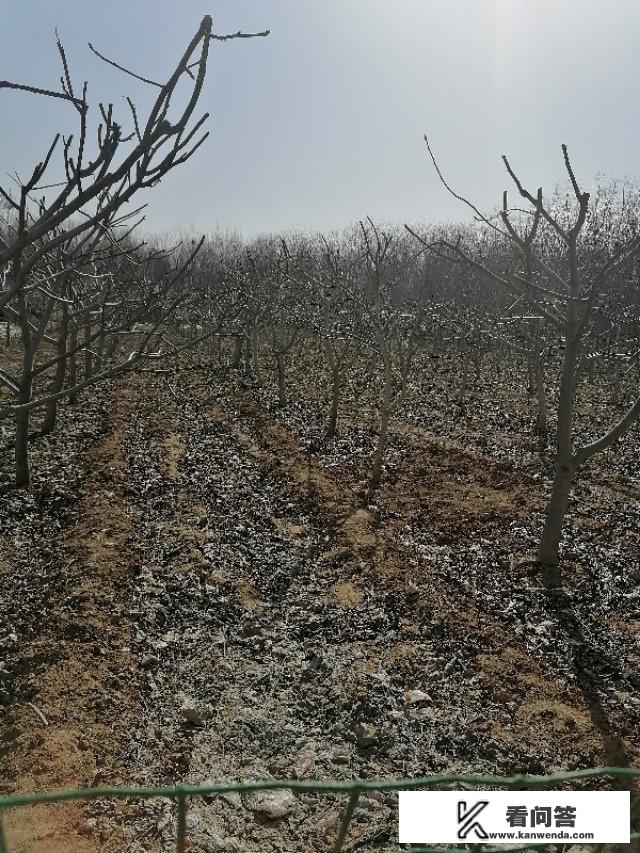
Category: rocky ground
[195,589]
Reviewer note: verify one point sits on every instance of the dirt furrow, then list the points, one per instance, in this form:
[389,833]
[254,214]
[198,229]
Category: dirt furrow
[379,544]
[77,671]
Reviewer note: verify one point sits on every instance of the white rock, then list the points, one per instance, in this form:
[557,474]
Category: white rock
[304,763]
[216,843]
[272,804]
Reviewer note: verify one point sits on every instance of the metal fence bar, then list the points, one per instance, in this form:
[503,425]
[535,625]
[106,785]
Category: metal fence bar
[181,794]
[346,820]
[181,836]
[331,787]
[3,838]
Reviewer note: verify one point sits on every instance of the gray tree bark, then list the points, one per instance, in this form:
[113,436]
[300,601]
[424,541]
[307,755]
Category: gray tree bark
[385,416]
[51,412]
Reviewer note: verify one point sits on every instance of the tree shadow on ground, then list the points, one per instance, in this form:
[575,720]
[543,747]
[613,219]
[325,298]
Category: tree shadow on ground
[593,669]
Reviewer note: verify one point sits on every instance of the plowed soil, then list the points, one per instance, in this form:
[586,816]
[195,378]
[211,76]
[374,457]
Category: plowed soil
[196,588]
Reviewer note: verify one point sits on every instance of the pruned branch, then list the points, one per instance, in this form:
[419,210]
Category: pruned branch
[35,90]
[239,35]
[616,432]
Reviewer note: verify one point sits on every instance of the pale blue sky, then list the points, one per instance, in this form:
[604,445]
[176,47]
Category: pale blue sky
[321,124]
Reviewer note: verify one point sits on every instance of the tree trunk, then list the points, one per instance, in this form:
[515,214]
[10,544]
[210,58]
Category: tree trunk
[236,361]
[215,347]
[99,345]
[531,376]
[88,357]
[110,349]
[282,390]
[404,379]
[23,420]
[73,362]
[334,365]
[541,393]
[335,400]
[478,365]
[463,384]
[58,381]
[247,359]
[385,417]
[616,385]
[23,472]
[549,548]
[255,348]
[548,551]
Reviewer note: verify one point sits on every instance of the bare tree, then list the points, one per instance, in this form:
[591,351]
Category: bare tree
[277,276]
[394,330]
[567,296]
[335,285]
[80,212]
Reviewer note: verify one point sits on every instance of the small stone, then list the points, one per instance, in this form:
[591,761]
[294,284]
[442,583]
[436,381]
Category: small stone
[412,590]
[423,713]
[279,767]
[88,827]
[233,798]
[416,697]
[272,804]
[366,803]
[378,796]
[366,734]
[193,822]
[304,764]
[543,627]
[328,823]
[192,712]
[216,843]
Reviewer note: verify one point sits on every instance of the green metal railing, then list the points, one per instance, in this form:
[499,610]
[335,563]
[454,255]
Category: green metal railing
[182,793]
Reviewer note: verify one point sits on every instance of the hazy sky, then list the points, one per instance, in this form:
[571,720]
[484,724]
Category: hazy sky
[322,123]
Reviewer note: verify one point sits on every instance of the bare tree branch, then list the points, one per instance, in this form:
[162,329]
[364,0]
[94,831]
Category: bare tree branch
[35,90]
[239,35]
[122,68]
